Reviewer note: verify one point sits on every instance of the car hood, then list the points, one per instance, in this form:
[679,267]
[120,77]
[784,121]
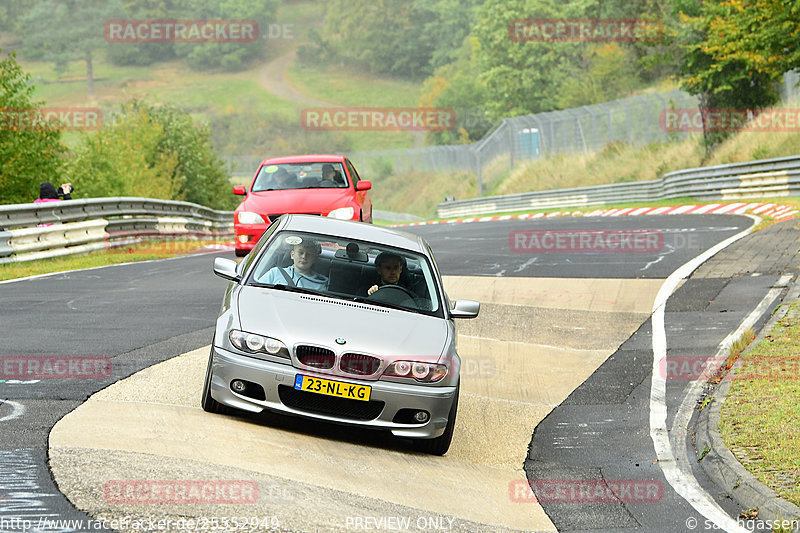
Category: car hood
[296,201]
[296,318]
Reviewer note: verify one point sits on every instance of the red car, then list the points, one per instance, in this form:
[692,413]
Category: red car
[325,185]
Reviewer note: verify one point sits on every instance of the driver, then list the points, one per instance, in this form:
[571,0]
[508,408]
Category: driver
[389,267]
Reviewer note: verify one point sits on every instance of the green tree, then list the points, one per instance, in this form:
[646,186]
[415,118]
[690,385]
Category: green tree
[764,35]
[202,174]
[30,152]
[455,86]
[608,73]
[523,77]
[720,80]
[155,152]
[66,30]
[12,12]
[230,56]
[448,23]
[383,36]
[123,159]
[147,53]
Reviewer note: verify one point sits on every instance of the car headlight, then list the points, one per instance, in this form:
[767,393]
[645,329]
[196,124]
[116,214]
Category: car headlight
[248,217]
[253,343]
[425,372]
[343,213]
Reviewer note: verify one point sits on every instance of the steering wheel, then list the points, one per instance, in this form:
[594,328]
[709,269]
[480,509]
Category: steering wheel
[395,287]
[394,294]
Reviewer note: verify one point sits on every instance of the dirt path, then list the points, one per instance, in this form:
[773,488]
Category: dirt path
[273,77]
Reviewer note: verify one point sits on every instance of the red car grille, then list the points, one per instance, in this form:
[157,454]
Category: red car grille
[359,364]
[273,218]
[315,357]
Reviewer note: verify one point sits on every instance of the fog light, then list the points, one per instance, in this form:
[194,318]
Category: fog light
[421,417]
[238,386]
[244,238]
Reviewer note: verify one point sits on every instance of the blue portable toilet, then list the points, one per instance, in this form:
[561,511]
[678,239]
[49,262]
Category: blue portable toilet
[528,139]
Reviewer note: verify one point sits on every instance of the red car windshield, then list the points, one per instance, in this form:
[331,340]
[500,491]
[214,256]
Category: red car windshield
[300,176]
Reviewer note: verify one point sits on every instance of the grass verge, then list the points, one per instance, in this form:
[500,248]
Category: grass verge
[125,254]
[759,417]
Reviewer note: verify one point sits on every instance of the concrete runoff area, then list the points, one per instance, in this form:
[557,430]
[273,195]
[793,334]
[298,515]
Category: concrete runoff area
[534,342]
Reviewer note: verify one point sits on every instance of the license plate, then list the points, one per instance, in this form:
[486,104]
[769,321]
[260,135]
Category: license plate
[329,387]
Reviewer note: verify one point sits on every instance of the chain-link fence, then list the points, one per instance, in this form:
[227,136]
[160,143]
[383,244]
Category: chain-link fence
[634,120]
[637,120]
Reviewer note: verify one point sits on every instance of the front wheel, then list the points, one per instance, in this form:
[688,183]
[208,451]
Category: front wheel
[441,444]
[208,403]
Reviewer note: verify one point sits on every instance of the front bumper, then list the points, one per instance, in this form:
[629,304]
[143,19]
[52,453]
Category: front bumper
[228,366]
[246,235]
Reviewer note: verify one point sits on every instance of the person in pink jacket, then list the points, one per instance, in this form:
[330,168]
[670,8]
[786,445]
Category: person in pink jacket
[48,192]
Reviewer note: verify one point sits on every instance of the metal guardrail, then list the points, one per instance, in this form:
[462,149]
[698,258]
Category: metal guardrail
[754,179]
[37,231]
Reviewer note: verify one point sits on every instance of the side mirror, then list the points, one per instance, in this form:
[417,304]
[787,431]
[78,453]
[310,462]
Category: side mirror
[363,185]
[240,190]
[465,309]
[226,268]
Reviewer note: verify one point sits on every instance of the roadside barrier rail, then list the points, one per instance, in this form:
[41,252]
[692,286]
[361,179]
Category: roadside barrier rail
[37,231]
[754,179]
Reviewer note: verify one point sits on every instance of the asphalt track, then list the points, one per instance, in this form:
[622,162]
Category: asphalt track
[555,316]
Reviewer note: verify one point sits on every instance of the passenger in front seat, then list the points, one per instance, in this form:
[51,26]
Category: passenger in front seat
[300,274]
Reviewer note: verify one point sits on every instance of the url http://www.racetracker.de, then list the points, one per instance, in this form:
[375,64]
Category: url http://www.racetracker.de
[210,523]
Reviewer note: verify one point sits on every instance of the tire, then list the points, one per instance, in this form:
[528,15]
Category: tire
[208,403]
[440,445]
[241,253]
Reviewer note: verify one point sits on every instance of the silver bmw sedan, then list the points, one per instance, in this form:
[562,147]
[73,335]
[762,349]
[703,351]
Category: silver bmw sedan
[341,322]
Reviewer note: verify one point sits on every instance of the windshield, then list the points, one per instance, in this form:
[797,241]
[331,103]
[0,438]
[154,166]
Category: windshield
[300,176]
[349,269]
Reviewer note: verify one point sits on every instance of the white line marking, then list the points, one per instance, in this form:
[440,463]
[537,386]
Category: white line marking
[705,209]
[744,209]
[684,483]
[17,410]
[763,208]
[623,212]
[726,208]
[526,264]
[684,414]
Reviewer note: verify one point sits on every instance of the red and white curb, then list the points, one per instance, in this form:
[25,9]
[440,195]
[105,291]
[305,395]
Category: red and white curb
[776,211]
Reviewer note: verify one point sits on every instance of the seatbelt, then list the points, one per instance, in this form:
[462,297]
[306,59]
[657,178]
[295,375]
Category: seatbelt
[288,279]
